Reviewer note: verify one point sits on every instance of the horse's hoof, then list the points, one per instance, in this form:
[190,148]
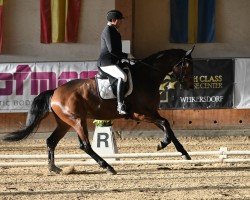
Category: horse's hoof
[110,170]
[55,169]
[186,157]
[161,146]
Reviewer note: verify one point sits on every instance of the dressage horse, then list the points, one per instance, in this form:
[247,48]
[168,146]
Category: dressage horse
[77,100]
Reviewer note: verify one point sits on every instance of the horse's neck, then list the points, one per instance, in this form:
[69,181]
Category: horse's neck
[148,77]
[153,69]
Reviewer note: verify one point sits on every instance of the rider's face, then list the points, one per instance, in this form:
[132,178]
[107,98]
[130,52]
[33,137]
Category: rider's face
[117,22]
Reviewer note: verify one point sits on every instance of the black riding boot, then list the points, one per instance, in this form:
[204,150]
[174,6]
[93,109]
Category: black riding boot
[120,97]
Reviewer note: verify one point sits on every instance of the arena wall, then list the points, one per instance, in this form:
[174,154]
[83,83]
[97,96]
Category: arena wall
[151,29]
[198,120]
[22,33]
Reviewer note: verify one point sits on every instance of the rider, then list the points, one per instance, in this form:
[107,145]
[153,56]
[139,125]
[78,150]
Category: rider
[111,55]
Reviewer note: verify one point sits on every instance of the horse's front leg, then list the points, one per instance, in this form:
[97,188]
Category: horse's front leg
[166,140]
[170,136]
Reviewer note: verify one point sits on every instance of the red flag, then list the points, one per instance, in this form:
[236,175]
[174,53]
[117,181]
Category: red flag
[45,21]
[72,22]
[59,20]
[1,25]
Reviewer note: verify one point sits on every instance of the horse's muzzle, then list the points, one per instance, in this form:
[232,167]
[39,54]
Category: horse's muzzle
[188,83]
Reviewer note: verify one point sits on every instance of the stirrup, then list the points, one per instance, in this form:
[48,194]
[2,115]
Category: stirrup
[121,108]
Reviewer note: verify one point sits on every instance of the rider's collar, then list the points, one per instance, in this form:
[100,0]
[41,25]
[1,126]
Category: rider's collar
[110,24]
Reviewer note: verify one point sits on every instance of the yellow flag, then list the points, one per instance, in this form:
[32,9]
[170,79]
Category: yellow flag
[192,21]
[58,11]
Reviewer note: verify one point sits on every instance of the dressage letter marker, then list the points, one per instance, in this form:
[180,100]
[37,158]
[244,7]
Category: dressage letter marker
[102,138]
[104,142]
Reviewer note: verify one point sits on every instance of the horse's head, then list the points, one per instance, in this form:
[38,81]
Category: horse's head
[176,62]
[183,70]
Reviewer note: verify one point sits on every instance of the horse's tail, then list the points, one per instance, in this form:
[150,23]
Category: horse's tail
[40,107]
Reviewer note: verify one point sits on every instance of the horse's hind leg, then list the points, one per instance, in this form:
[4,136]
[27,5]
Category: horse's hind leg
[61,129]
[85,145]
[170,136]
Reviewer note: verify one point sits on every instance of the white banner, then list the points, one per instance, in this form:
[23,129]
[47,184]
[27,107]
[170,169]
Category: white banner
[242,83]
[20,83]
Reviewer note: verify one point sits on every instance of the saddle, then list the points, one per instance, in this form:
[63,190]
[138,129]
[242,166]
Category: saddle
[107,85]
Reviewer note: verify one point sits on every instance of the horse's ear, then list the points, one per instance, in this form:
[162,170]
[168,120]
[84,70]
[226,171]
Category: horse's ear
[188,53]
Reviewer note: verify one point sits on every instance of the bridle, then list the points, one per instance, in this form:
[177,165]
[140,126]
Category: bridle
[182,70]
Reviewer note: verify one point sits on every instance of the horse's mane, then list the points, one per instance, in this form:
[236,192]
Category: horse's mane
[170,52]
[167,57]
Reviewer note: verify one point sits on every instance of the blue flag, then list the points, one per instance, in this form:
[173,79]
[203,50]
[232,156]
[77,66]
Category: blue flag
[192,21]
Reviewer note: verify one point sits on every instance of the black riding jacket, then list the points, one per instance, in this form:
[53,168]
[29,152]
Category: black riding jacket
[111,47]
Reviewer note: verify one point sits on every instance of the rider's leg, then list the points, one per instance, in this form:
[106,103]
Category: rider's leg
[115,71]
[118,73]
[120,97]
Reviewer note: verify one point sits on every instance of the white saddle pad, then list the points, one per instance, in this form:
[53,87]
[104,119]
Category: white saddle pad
[105,89]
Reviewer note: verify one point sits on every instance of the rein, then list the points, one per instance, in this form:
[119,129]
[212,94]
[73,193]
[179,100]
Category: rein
[146,64]
[178,77]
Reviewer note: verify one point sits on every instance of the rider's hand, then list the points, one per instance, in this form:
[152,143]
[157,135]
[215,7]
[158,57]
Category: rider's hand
[130,56]
[124,55]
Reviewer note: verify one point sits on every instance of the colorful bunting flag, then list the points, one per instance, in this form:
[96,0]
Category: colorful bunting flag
[59,20]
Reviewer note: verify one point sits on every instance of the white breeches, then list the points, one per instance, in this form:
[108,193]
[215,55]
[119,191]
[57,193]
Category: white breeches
[115,71]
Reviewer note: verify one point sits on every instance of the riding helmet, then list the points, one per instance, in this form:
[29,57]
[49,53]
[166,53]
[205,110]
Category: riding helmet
[114,14]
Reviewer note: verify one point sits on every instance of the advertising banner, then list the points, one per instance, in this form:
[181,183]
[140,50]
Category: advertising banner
[213,87]
[20,83]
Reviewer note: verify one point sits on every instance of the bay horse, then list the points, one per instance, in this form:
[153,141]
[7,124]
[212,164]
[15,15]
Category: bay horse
[77,100]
